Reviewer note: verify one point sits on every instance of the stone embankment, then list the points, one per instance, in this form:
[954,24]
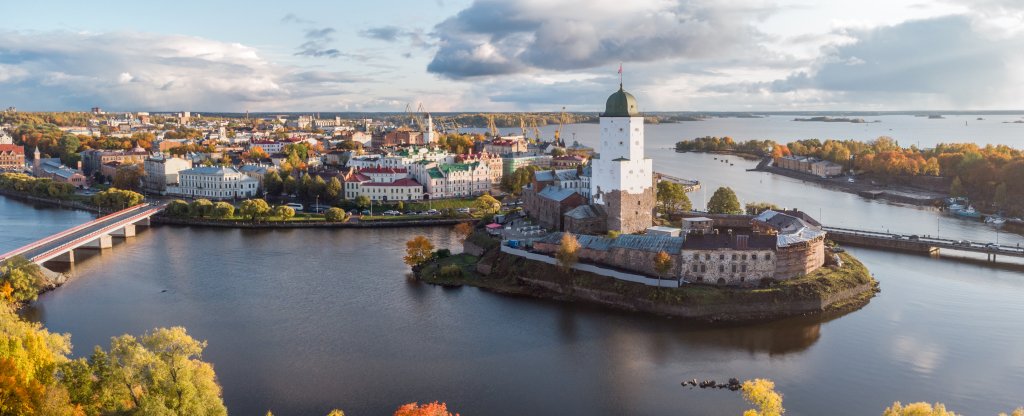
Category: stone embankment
[309,224]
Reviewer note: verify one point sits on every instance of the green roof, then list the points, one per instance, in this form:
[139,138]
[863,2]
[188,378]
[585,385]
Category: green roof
[620,104]
[453,167]
[435,173]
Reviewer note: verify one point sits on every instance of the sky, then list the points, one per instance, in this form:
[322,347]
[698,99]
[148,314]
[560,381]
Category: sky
[512,55]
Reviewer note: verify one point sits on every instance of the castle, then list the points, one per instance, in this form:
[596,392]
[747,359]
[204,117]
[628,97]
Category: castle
[619,190]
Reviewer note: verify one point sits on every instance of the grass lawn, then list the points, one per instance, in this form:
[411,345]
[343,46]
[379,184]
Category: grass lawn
[439,204]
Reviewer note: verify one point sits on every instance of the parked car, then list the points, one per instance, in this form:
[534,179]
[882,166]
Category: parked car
[433,212]
[365,212]
[292,205]
[392,212]
[464,210]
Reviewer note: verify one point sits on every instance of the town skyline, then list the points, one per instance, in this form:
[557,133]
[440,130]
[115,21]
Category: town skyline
[513,56]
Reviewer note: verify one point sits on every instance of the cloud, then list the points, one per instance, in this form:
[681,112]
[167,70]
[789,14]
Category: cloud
[292,18]
[130,70]
[494,37]
[385,33]
[316,44]
[946,57]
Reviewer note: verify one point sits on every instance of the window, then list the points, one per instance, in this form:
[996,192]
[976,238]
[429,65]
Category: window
[734,268]
[734,257]
[753,256]
[743,268]
[721,268]
[695,268]
[767,256]
[707,257]
[703,268]
[696,256]
[721,256]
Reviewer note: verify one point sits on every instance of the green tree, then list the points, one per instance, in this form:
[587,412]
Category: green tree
[333,191]
[68,149]
[254,209]
[290,185]
[418,250]
[363,202]
[201,208]
[178,209]
[114,198]
[284,212]
[318,188]
[29,358]
[672,197]
[336,215]
[486,205]
[222,210]
[20,280]
[568,252]
[724,201]
[755,208]
[272,183]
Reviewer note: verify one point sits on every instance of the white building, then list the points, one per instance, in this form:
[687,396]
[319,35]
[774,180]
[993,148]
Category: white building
[162,171]
[214,183]
[268,146]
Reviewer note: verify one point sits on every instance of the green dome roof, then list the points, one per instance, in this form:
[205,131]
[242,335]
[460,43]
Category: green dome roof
[620,104]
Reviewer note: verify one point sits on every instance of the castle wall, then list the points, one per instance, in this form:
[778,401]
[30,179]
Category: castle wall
[800,259]
[728,266]
[630,213]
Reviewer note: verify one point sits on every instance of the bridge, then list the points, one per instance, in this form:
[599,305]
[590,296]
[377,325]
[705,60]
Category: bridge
[95,234]
[919,244]
[689,185]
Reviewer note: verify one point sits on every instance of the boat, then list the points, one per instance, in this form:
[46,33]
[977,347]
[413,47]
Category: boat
[850,180]
[995,220]
[968,212]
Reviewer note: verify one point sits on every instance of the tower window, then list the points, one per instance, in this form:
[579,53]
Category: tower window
[620,143]
[620,129]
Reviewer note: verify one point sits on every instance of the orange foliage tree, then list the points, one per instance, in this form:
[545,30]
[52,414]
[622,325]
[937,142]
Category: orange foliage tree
[426,409]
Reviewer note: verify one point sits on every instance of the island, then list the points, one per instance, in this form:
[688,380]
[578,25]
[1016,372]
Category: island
[827,119]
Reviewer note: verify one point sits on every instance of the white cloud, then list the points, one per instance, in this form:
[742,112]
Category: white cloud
[130,70]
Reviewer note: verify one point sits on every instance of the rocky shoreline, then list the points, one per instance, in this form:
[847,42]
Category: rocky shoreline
[843,291]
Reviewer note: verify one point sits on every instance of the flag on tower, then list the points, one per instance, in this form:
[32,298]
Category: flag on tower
[620,69]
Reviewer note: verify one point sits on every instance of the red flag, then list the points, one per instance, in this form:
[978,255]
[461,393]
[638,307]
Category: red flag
[620,69]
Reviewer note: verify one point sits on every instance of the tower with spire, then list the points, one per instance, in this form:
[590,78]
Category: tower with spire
[622,178]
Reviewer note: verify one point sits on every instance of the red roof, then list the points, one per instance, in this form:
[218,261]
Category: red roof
[12,148]
[379,169]
[400,182]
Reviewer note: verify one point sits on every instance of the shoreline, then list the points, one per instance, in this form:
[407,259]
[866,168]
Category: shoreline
[165,220]
[831,290]
[905,194]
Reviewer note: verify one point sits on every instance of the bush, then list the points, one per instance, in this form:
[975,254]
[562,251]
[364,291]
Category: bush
[335,215]
[442,253]
[222,210]
[450,271]
[114,198]
[178,209]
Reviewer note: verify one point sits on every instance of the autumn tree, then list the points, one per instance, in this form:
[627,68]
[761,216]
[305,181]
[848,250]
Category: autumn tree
[178,209]
[956,189]
[254,209]
[917,409]
[114,198]
[333,192]
[335,215]
[426,409]
[418,250]
[662,263]
[201,208]
[20,280]
[568,252]
[463,230]
[761,393]
[486,205]
[284,212]
[128,177]
[222,210]
[363,201]
[724,201]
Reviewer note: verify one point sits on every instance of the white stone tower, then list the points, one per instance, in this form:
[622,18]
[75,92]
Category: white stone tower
[622,178]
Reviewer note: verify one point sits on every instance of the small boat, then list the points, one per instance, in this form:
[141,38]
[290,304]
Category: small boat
[968,212]
[850,180]
[995,220]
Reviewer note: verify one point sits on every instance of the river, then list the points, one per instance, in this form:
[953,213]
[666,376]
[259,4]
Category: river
[302,321]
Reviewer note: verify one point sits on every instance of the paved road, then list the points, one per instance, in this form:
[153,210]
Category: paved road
[94,227]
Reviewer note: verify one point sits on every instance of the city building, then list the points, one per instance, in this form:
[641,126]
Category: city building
[162,171]
[12,158]
[214,182]
[94,159]
[54,169]
[812,165]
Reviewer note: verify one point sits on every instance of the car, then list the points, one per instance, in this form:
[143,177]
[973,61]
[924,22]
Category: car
[991,245]
[915,237]
[433,212]
[292,205]
[464,210]
[365,212]
[392,212]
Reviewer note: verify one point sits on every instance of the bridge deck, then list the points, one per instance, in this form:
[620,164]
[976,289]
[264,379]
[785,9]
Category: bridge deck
[921,243]
[54,245]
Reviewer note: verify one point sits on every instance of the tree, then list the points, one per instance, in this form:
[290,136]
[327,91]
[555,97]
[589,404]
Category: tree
[222,210]
[272,183]
[463,230]
[178,209]
[487,205]
[254,209]
[662,263]
[426,409]
[336,412]
[613,234]
[201,208]
[999,197]
[336,215]
[128,177]
[284,212]
[363,201]
[68,149]
[755,208]
[418,250]
[400,206]
[761,393]
[724,201]
[159,373]
[333,191]
[20,280]
[956,189]
[672,197]
[568,252]
[114,198]
[29,358]
[917,409]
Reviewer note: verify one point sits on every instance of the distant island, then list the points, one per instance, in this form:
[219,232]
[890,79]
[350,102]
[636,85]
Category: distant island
[827,119]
